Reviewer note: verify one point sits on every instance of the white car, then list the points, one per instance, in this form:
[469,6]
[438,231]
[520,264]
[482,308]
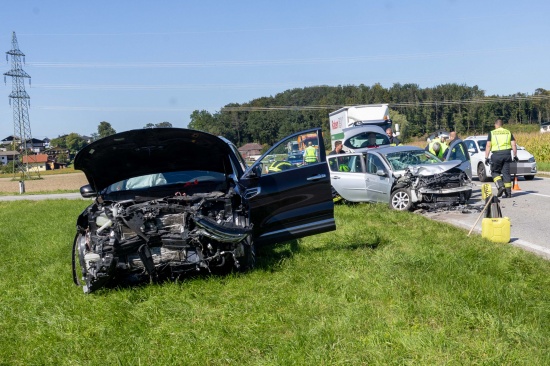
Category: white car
[526,166]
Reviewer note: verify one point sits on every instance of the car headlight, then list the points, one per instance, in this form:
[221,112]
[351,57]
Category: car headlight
[531,159]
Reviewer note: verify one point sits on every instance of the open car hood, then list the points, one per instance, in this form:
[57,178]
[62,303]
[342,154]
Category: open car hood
[432,169]
[148,151]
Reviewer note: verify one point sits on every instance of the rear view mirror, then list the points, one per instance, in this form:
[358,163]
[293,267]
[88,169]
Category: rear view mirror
[381,173]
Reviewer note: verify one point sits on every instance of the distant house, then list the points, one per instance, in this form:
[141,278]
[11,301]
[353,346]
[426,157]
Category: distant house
[7,156]
[36,162]
[250,149]
[35,145]
[7,141]
[55,152]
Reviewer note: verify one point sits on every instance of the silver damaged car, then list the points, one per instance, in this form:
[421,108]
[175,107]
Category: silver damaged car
[406,177]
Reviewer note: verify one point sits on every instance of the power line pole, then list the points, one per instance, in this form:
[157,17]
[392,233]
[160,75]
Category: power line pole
[20,101]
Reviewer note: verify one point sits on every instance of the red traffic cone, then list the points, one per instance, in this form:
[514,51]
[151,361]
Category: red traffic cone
[516,185]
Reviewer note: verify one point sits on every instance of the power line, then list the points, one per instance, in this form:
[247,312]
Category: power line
[310,61]
[484,100]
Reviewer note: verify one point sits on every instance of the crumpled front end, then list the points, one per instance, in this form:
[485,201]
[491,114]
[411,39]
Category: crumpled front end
[152,239]
[436,185]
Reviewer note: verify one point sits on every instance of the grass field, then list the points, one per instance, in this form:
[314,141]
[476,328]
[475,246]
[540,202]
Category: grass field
[385,288]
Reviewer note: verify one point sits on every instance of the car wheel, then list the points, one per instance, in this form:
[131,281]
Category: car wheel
[401,200]
[529,177]
[248,261]
[482,173]
[78,265]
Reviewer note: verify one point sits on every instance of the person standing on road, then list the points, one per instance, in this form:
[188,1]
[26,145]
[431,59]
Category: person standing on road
[394,141]
[310,155]
[500,143]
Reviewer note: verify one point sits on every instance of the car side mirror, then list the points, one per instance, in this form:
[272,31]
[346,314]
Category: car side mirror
[87,191]
[381,173]
[472,151]
[256,171]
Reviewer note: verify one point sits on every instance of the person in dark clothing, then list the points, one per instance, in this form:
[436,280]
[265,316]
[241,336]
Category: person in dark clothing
[457,150]
[337,148]
[394,141]
[500,143]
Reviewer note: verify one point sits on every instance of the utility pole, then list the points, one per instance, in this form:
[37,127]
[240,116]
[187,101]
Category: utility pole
[20,101]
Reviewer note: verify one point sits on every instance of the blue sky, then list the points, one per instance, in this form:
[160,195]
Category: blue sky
[136,62]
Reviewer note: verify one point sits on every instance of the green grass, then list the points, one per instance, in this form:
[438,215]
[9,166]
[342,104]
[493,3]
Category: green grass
[385,288]
[543,167]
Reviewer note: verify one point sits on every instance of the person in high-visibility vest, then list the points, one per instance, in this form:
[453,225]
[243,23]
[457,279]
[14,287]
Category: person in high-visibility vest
[310,154]
[279,166]
[500,143]
[437,148]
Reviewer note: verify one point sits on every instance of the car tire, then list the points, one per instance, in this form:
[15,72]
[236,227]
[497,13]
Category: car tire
[482,173]
[248,261]
[401,200]
[529,177]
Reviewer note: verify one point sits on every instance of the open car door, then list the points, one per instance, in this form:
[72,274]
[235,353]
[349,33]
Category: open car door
[289,199]
[458,150]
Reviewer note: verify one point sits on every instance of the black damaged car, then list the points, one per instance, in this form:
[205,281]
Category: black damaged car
[169,202]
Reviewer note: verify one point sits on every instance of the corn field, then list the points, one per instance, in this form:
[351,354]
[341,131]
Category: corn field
[536,143]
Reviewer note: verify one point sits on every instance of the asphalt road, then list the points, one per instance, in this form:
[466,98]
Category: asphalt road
[527,210]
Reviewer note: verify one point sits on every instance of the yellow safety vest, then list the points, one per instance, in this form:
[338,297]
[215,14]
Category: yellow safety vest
[310,155]
[501,139]
[441,150]
[279,166]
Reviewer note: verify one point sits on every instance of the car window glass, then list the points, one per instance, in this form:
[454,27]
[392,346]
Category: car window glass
[184,178]
[292,153]
[341,163]
[458,151]
[471,145]
[482,144]
[237,153]
[367,139]
[402,159]
[374,164]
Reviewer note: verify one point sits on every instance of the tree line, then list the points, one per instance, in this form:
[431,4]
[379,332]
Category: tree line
[419,111]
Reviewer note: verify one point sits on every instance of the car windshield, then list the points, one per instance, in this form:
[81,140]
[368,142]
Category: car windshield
[189,177]
[400,160]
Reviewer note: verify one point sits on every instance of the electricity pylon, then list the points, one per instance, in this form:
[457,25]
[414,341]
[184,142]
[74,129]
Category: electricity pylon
[20,101]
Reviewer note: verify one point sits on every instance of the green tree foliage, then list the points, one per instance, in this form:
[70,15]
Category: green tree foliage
[158,125]
[59,141]
[74,142]
[419,111]
[105,129]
